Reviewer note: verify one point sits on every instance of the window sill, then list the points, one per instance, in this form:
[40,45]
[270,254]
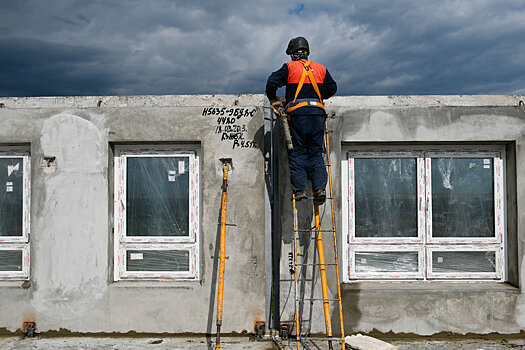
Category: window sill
[427,286]
[22,283]
[181,284]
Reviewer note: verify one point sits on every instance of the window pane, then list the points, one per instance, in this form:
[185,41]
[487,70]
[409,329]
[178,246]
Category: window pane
[386,261]
[462,197]
[464,261]
[10,260]
[157,196]
[11,196]
[158,260]
[385,197]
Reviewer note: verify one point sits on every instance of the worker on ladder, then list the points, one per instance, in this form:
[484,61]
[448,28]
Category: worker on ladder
[307,83]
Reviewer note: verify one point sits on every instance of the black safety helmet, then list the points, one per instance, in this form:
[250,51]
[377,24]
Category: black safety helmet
[297,44]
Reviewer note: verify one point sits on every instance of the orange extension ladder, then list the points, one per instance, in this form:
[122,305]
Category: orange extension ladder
[302,338]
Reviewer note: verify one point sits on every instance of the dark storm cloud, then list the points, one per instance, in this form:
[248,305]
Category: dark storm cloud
[59,47]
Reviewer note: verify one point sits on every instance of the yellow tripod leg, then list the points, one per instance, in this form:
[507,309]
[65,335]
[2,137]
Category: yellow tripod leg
[220,288]
[322,268]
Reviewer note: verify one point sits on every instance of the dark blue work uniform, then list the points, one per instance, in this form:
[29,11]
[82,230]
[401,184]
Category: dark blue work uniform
[307,123]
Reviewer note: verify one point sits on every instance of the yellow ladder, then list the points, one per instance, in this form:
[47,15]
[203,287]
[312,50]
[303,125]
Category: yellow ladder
[300,337]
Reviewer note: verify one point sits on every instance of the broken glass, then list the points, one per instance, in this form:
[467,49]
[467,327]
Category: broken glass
[462,197]
[157,260]
[157,196]
[385,197]
[10,260]
[11,196]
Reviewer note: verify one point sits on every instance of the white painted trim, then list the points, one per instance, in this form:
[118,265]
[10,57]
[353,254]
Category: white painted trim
[345,209]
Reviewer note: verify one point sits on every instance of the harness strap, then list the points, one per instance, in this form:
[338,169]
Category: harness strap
[307,71]
[304,102]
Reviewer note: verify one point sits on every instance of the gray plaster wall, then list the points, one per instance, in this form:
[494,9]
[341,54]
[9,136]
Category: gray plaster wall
[71,284]
[420,307]
[71,270]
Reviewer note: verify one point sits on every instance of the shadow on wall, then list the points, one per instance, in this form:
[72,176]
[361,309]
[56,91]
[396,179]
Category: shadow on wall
[351,312]
[213,284]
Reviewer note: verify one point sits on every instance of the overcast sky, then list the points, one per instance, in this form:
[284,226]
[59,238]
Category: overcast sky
[95,47]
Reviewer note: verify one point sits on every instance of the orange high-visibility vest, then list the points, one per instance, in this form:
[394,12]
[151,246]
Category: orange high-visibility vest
[305,72]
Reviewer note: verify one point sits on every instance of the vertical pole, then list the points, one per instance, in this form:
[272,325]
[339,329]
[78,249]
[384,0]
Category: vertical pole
[220,288]
[295,247]
[276,229]
[322,268]
[335,238]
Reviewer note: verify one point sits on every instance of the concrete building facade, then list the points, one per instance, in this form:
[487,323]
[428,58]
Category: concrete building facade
[427,194]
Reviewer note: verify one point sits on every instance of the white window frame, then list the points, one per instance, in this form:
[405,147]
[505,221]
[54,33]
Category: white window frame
[498,197]
[19,242]
[420,195]
[353,249]
[425,243]
[17,275]
[497,275]
[124,242]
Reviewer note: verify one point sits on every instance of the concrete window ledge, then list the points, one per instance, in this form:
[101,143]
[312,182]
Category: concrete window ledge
[426,287]
[186,285]
[15,284]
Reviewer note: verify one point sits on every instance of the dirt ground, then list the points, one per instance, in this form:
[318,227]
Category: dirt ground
[234,343]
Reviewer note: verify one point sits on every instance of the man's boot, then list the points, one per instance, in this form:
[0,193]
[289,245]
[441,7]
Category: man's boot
[319,196]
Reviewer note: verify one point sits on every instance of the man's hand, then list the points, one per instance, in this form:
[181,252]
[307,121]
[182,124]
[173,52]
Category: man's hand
[275,104]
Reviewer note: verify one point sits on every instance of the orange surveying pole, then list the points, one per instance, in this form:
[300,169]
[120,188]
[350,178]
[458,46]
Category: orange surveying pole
[220,289]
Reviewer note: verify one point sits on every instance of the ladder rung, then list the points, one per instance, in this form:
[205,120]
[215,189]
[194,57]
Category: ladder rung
[312,230]
[319,264]
[316,299]
[320,339]
[314,198]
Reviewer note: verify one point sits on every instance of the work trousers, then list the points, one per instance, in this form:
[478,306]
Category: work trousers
[306,157]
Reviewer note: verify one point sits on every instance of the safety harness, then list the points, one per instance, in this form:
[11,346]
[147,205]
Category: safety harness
[292,106]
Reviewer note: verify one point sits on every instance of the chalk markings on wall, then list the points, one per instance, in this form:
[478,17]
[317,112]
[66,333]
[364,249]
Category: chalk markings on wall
[231,125]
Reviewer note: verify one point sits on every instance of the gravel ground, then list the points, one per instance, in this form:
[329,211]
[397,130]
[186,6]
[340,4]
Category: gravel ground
[231,343]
